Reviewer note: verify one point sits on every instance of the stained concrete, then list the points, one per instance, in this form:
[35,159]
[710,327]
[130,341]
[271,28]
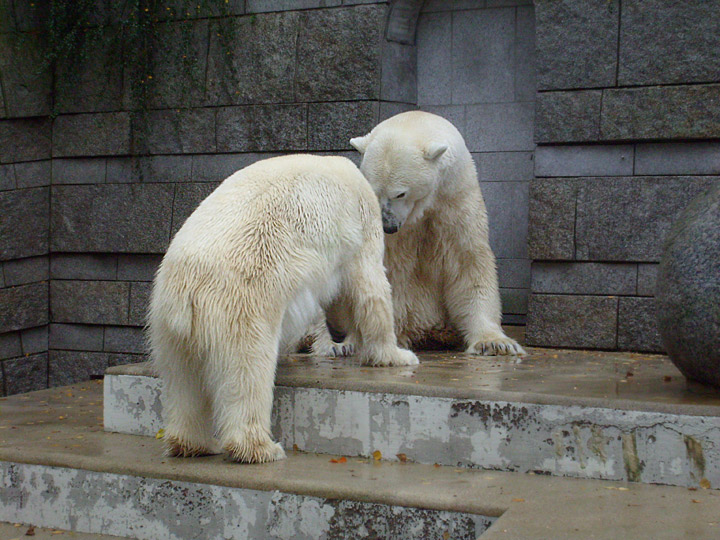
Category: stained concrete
[17,531]
[507,435]
[62,429]
[624,381]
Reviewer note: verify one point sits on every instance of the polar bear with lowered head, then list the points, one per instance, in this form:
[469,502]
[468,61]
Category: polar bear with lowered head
[255,263]
[437,251]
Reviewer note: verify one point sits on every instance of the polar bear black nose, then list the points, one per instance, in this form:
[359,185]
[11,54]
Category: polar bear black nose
[390,228]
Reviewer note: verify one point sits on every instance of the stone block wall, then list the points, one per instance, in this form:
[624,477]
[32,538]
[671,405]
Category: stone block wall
[90,198]
[627,125]
[476,67]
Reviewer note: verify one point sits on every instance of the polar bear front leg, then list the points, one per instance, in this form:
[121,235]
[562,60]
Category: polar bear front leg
[324,345]
[474,303]
[372,313]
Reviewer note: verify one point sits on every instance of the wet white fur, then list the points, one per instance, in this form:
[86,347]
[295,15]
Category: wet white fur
[439,263]
[242,280]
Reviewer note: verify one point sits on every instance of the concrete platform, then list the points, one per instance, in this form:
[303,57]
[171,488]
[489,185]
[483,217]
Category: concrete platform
[601,415]
[18,531]
[59,468]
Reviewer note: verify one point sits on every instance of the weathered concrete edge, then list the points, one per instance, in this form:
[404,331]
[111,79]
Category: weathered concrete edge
[319,488]
[108,480]
[419,389]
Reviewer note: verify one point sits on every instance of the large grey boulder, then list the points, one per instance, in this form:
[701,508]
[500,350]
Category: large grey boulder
[688,290]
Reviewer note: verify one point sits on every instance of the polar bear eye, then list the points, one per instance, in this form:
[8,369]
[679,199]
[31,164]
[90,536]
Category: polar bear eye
[400,196]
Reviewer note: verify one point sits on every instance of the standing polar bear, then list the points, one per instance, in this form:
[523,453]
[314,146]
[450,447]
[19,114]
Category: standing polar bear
[242,279]
[437,251]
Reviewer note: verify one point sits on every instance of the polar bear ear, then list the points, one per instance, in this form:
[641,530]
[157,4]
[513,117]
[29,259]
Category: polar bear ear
[434,150]
[360,143]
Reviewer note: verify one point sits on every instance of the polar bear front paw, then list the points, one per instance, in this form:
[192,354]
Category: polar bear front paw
[394,357]
[335,350]
[503,346]
[179,446]
[255,451]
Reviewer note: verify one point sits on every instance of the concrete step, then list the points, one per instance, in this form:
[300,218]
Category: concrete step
[22,531]
[60,469]
[599,415]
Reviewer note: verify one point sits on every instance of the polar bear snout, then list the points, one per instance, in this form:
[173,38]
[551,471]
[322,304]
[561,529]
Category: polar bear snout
[389,220]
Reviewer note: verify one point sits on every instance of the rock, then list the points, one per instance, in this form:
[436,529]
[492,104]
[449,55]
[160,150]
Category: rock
[688,290]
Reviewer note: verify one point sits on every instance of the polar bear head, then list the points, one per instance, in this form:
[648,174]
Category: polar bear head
[405,159]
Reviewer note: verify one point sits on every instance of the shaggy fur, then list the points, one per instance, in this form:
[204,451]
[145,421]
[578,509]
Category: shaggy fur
[248,271]
[437,251]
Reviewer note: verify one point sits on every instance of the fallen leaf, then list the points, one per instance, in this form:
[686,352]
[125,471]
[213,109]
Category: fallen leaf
[705,483]
[160,434]
[377,455]
[436,465]
[296,448]
[402,457]
[446,535]
[695,501]
[339,460]
[667,378]
[30,531]
[518,500]
[692,489]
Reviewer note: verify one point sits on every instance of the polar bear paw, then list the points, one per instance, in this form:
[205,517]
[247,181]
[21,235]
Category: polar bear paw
[393,357]
[255,451]
[333,350]
[178,446]
[501,346]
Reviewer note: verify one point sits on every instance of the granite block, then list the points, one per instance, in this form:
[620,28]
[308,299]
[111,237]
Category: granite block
[262,128]
[499,127]
[23,307]
[332,125]
[577,43]
[551,229]
[97,134]
[669,42]
[33,174]
[584,160]
[35,340]
[507,208]
[125,339]
[25,139]
[504,166]
[584,278]
[661,112]
[434,59]
[253,59]
[483,69]
[83,266]
[677,158]
[23,271]
[342,65]
[76,337]
[572,321]
[637,325]
[79,171]
[89,302]
[609,211]
[126,218]
[568,116]
[26,374]
[70,367]
[137,267]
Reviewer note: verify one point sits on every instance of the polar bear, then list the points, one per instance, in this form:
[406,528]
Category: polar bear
[437,251]
[243,278]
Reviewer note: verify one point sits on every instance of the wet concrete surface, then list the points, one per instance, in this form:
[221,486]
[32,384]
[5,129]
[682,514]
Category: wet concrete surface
[63,428]
[621,380]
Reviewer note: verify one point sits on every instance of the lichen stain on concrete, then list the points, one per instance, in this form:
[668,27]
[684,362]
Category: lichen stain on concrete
[597,443]
[695,456]
[633,466]
[507,415]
